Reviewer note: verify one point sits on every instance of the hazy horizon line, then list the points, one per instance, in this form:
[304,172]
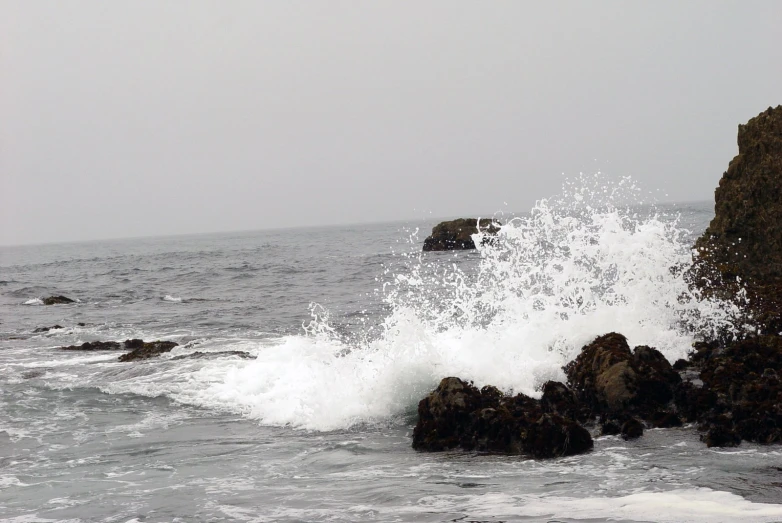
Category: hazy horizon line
[306,226]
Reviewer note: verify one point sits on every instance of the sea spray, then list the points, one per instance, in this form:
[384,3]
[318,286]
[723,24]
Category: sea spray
[596,259]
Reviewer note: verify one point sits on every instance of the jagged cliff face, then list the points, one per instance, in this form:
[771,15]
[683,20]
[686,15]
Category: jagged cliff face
[745,237]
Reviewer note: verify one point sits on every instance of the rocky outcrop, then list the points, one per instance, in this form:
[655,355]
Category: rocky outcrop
[144,350]
[57,300]
[458,415]
[457,234]
[614,382]
[745,237]
[744,240]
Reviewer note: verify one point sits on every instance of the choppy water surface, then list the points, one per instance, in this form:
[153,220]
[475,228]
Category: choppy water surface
[350,327]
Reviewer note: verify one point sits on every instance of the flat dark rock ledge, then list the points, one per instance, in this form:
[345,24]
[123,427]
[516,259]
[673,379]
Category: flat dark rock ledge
[139,349]
[144,350]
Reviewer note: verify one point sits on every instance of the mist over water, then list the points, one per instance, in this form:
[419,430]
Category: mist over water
[350,327]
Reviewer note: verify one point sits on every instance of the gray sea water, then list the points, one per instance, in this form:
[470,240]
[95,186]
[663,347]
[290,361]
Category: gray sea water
[350,326]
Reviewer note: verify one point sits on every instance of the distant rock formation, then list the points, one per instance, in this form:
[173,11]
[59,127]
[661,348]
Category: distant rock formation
[57,300]
[457,234]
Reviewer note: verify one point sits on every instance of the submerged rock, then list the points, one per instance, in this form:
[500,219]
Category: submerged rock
[145,350]
[46,329]
[57,300]
[457,234]
[198,355]
[458,415]
[96,345]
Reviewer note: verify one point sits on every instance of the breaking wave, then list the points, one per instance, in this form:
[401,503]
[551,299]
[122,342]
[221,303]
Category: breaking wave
[591,261]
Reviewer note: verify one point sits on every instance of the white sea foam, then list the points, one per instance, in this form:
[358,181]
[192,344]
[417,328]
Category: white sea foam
[571,270]
[173,299]
[34,301]
[676,506]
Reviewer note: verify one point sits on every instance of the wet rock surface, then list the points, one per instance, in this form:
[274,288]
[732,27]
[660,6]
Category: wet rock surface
[745,237]
[198,355]
[741,250]
[458,415]
[95,346]
[146,350]
[612,381]
[457,234]
[741,393]
[139,349]
[46,329]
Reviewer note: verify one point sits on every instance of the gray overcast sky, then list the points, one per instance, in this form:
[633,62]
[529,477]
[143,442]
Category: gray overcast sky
[144,118]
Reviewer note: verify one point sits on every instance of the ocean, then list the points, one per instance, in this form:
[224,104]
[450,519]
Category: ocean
[349,327]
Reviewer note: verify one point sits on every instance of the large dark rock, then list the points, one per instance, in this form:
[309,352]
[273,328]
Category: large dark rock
[613,381]
[145,350]
[458,415]
[743,244]
[57,300]
[457,234]
[745,237]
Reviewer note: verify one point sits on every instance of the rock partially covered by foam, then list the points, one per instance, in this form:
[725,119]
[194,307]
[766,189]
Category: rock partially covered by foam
[96,346]
[457,234]
[144,350]
[139,349]
[745,237]
[615,382]
[57,300]
[458,415]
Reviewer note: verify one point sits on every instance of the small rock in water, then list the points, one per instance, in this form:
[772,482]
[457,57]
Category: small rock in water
[147,350]
[632,429]
[198,355]
[56,300]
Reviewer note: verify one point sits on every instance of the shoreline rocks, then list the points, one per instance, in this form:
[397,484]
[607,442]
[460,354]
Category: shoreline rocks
[139,349]
[457,234]
[458,415]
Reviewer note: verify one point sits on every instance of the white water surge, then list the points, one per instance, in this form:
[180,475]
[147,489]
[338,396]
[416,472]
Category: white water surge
[574,268]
